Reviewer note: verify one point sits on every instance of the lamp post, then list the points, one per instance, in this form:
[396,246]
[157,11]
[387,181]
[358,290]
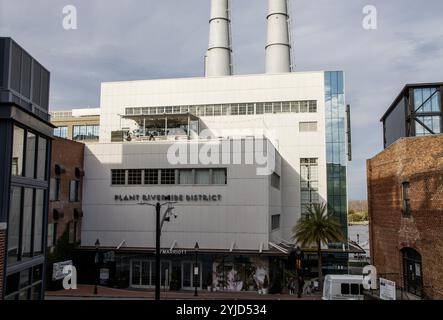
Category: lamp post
[196,269]
[97,245]
[159,221]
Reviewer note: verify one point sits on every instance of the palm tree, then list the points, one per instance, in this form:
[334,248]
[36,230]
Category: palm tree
[318,227]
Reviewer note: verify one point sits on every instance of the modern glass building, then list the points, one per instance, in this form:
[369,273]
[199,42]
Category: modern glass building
[25,144]
[336,153]
[417,111]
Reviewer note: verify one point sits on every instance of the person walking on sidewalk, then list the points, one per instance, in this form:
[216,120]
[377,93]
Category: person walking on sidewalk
[301,284]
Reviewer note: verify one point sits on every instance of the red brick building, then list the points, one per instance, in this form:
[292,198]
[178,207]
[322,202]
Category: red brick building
[405,199]
[65,209]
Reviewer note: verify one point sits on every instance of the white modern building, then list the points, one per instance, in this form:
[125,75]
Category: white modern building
[241,157]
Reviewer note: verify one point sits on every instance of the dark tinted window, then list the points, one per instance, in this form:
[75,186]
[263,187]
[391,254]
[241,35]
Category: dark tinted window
[38,221]
[14,224]
[344,288]
[355,289]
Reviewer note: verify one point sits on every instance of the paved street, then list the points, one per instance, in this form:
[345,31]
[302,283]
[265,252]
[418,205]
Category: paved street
[104,293]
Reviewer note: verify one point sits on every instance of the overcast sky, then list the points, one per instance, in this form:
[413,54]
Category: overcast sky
[151,39]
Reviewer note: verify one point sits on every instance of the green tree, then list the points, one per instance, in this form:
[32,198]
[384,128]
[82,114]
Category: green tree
[318,227]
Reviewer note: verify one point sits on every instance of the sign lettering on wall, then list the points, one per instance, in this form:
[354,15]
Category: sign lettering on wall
[169,197]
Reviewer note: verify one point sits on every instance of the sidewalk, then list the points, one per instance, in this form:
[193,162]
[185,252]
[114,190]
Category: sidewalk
[86,292]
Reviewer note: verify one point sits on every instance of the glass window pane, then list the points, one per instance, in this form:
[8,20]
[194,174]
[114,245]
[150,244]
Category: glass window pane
[186,176]
[25,278]
[12,283]
[27,223]
[146,270]
[41,161]
[14,224]
[219,176]
[30,155]
[17,151]
[36,292]
[202,176]
[38,221]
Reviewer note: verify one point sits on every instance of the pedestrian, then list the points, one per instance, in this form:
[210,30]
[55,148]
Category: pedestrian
[301,284]
[290,286]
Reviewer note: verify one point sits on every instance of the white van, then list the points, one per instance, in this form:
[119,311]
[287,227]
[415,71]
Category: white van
[343,287]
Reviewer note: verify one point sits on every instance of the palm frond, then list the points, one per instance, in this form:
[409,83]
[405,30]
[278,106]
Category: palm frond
[318,226]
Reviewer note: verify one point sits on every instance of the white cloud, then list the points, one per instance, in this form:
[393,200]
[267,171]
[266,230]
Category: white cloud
[146,39]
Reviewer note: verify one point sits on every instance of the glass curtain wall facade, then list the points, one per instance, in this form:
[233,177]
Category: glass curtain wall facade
[336,157]
[27,214]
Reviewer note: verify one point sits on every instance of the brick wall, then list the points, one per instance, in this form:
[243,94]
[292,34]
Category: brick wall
[2,258]
[418,161]
[68,154]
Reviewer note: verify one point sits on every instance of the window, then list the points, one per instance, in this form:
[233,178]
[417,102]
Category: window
[304,106]
[31,141]
[202,176]
[167,176]
[86,132]
[118,177]
[219,176]
[61,132]
[38,221]
[25,284]
[74,191]
[312,106]
[275,222]
[134,176]
[186,176]
[406,200]
[431,122]
[275,181]
[17,151]
[308,183]
[286,107]
[41,158]
[27,223]
[355,289]
[55,189]
[151,176]
[230,109]
[25,226]
[308,126]
[14,224]
[259,108]
[216,176]
[345,288]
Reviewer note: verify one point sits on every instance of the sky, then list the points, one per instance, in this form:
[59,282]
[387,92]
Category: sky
[151,39]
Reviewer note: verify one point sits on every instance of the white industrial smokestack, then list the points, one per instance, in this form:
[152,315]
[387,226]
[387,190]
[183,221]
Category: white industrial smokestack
[278,48]
[218,60]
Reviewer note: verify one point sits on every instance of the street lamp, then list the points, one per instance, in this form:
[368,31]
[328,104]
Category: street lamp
[97,245]
[158,229]
[196,269]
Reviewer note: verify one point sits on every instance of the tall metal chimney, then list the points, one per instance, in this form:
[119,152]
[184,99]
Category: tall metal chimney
[218,59]
[278,48]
